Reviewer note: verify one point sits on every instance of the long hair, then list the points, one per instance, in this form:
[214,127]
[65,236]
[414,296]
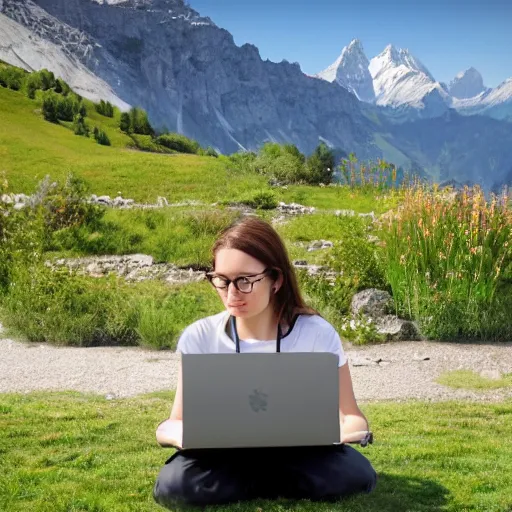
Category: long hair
[259,239]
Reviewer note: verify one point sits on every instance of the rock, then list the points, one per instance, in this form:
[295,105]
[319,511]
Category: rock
[491,374]
[104,200]
[371,302]
[300,263]
[19,206]
[6,198]
[396,329]
[350,213]
[162,201]
[294,208]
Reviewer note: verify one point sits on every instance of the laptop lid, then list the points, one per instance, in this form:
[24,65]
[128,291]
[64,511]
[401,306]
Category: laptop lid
[260,400]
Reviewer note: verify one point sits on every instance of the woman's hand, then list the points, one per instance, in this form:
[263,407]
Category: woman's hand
[170,433]
[361,436]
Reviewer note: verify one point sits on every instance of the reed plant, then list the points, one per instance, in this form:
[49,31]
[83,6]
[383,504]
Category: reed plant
[449,262]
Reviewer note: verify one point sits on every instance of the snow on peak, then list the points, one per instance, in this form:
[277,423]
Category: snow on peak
[350,70]
[467,84]
[396,57]
[400,78]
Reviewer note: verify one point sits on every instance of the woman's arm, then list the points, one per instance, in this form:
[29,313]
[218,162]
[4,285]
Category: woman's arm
[353,423]
[170,431]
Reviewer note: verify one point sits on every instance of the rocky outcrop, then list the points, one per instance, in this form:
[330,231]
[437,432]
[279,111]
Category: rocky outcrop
[377,305]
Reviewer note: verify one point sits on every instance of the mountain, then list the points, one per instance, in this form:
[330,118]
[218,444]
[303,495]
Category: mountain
[189,75]
[495,103]
[350,71]
[475,148]
[30,50]
[467,84]
[401,79]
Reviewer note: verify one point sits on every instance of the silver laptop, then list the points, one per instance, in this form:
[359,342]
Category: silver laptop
[260,400]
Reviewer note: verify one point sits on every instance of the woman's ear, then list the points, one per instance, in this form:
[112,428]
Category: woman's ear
[278,282]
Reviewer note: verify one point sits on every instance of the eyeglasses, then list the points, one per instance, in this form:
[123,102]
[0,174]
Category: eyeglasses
[242,283]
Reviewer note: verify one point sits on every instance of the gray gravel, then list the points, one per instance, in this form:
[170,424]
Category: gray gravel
[404,371]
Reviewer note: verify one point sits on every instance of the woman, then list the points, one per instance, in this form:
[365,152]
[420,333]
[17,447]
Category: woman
[263,308]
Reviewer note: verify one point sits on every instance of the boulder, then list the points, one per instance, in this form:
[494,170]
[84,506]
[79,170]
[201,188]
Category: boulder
[371,302]
[397,329]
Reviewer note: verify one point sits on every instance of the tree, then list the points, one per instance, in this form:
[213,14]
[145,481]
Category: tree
[79,126]
[50,107]
[320,165]
[101,137]
[139,122]
[105,108]
[125,124]
[47,79]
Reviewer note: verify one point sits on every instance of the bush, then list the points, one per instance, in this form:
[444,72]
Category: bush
[357,258]
[261,199]
[125,124]
[320,165]
[12,77]
[50,108]
[105,108]
[178,142]
[79,126]
[148,143]
[101,137]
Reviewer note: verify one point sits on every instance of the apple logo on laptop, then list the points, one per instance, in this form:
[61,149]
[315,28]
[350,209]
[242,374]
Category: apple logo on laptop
[258,401]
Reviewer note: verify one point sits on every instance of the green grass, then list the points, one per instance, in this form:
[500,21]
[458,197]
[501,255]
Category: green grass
[31,148]
[359,200]
[75,452]
[183,236]
[467,379]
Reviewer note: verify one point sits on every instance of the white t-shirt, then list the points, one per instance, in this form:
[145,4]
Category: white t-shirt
[310,333]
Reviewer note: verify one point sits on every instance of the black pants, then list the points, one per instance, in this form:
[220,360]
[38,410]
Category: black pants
[210,477]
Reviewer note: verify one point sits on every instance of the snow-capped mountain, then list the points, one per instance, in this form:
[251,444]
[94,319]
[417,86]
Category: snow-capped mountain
[350,71]
[496,103]
[467,84]
[399,78]
[394,78]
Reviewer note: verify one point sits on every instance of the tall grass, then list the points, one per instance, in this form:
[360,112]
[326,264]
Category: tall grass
[449,262]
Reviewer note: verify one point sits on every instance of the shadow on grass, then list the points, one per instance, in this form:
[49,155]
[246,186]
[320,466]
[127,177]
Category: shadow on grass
[393,493]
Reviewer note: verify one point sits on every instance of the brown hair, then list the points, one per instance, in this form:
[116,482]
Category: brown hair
[259,239]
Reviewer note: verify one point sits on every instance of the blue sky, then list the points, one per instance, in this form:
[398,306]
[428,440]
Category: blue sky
[447,36]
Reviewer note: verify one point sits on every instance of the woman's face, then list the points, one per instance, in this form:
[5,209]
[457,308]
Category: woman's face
[232,263]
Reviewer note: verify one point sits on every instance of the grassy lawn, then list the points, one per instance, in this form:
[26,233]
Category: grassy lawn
[467,379]
[31,148]
[76,452]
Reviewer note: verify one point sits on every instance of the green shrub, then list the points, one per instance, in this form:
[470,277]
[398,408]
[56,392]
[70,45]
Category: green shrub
[357,258]
[105,108]
[101,137]
[148,143]
[50,107]
[178,142]
[12,77]
[261,199]
[65,308]
[80,126]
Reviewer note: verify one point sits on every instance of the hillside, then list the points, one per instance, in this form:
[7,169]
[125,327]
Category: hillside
[31,148]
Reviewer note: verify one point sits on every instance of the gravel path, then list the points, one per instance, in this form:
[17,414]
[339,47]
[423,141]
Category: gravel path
[402,373]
